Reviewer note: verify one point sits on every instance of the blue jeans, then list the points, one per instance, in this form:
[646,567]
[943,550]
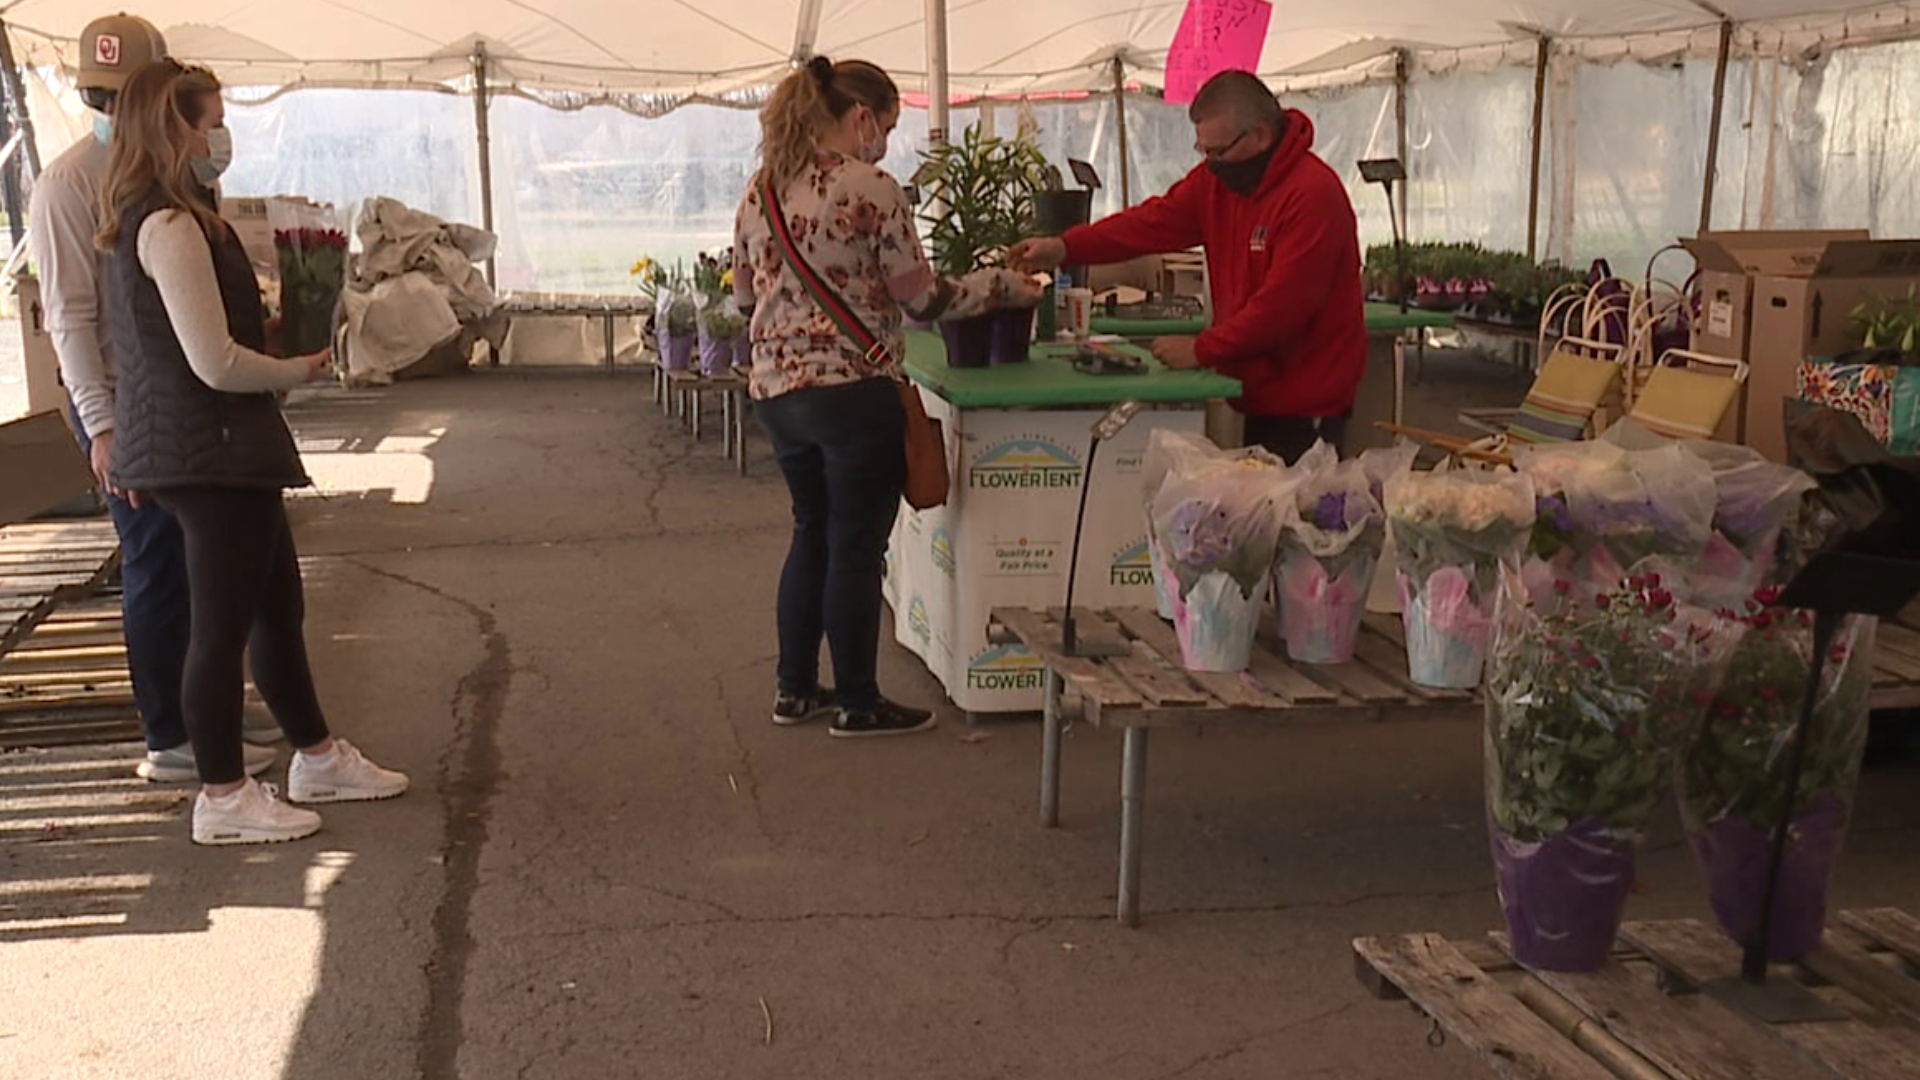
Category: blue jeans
[156,610]
[840,448]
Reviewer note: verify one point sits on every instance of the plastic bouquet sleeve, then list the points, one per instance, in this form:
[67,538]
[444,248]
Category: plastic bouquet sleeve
[1332,532]
[1456,536]
[1589,707]
[1756,505]
[1217,529]
[1640,511]
[1733,784]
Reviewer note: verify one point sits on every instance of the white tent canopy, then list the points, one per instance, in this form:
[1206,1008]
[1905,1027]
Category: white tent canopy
[677,48]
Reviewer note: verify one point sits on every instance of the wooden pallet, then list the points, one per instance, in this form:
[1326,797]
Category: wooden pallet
[1641,1015]
[1148,687]
[46,564]
[67,683]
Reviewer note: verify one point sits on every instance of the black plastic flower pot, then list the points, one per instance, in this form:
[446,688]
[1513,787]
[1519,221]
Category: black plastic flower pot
[1012,335]
[969,341]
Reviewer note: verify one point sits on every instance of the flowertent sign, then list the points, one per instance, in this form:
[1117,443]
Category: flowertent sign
[1214,36]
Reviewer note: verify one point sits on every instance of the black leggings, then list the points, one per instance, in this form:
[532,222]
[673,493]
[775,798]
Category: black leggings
[244,577]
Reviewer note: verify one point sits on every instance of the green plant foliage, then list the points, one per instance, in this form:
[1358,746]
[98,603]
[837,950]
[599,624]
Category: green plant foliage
[980,194]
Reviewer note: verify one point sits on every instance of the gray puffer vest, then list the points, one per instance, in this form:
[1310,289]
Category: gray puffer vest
[170,428]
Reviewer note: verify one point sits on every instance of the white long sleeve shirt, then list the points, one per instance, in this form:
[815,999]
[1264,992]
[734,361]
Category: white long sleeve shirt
[64,216]
[175,254]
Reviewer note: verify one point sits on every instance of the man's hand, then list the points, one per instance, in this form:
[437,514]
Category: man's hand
[319,365]
[100,455]
[1037,254]
[1176,352]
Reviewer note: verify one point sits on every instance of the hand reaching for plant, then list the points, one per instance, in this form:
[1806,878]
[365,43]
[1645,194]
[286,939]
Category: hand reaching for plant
[1037,254]
[1016,290]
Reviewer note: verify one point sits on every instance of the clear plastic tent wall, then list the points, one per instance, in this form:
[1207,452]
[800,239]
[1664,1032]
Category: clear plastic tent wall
[627,129]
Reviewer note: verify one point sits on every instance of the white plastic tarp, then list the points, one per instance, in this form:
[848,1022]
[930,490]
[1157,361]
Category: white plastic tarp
[600,48]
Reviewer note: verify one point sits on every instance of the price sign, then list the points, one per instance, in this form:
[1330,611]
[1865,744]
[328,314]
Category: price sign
[1215,36]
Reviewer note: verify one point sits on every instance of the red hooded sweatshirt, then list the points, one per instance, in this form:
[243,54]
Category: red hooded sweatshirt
[1288,314]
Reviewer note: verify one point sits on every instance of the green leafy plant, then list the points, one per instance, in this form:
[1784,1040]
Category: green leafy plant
[1738,765]
[1589,708]
[980,193]
[1889,322]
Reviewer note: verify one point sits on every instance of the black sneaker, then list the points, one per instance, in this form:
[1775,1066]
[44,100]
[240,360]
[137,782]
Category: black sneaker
[793,709]
[887,719]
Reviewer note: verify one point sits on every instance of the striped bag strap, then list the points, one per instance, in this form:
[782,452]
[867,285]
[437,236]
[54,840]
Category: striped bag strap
[872,350]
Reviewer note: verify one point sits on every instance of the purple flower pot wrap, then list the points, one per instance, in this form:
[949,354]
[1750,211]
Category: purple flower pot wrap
[1563,897]
[1735,852]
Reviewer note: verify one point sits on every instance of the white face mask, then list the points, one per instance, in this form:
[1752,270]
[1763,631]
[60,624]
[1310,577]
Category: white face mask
[873,149]
[219,156]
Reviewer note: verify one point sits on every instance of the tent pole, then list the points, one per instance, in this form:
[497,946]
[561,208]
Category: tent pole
[1539,137]
[483,143]
[1401,69]
[1120,114]
[1713,125]
[937,93]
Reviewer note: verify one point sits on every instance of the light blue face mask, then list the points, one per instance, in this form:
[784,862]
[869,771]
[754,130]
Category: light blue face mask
[219,156]
[103,128]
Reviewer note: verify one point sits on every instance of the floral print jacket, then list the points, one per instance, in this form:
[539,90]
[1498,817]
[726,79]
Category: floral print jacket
[853,225]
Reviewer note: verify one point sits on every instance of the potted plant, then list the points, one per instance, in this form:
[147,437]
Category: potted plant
[1734,782]
[980,196]
[1890,324]
[720,322]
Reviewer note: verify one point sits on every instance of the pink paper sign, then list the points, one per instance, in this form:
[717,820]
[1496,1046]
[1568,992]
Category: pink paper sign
[1215,36]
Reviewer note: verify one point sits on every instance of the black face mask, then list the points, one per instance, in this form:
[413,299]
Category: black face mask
[1243,177]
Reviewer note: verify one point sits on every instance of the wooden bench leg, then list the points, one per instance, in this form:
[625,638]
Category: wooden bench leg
[740,430]
[699,406]
[1050,752]
[1133,797]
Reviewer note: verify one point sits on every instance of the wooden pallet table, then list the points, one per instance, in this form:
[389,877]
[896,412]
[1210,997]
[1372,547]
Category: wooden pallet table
[1642,1017]
[687,391]
[1145,688]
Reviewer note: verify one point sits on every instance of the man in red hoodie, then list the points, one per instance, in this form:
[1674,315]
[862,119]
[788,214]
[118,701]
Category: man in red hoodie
[1283,257]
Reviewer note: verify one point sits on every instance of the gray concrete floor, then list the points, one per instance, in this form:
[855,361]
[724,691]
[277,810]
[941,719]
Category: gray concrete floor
[555,612]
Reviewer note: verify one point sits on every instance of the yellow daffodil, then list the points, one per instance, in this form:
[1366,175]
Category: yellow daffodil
[642,266]
[726,278]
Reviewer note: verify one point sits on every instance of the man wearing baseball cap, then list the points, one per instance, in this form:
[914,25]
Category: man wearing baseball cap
[62,221]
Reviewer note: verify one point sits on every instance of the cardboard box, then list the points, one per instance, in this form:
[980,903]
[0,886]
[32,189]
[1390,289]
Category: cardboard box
[1730,261]
[1798,317]
[45,393]
[40,466]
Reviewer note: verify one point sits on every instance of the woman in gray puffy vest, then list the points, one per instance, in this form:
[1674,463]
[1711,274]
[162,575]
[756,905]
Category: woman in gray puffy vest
[198,429]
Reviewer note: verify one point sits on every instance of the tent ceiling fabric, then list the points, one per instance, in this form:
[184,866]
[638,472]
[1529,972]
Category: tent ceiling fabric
[713,47]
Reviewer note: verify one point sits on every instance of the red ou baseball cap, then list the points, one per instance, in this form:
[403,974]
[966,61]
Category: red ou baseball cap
[114,47]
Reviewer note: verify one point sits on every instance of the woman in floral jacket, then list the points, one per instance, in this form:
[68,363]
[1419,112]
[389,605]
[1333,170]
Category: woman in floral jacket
[833,414]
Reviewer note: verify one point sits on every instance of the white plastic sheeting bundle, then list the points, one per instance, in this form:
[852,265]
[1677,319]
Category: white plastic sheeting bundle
[414,288]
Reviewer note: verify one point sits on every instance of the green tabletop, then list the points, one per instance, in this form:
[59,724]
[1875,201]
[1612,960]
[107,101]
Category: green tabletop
[1146,328]
[1050,380]
[1381,319]
[1387,318]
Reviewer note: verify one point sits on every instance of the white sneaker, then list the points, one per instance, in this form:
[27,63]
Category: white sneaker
[251,815]
[176,766]
[259,727]
[343,775]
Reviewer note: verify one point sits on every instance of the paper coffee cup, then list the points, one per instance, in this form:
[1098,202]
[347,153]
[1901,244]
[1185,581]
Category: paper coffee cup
[1080,312]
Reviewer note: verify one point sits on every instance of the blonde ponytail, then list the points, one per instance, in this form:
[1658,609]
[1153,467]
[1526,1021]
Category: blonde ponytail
[809,102]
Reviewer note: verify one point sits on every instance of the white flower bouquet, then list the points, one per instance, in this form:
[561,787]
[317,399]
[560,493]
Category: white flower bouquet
[1454,532]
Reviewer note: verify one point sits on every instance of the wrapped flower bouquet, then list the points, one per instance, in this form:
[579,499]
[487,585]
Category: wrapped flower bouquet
[1216,523]
[1590,703]
[1733,786]
[1332,533]
[1454,534]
